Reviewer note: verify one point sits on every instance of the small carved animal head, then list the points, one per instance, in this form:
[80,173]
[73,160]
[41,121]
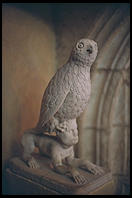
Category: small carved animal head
[85,51]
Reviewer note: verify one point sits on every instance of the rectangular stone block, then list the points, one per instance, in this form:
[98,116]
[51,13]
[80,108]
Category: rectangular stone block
[22,180]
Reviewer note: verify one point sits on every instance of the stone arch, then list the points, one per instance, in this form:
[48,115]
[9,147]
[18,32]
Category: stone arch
[105,127]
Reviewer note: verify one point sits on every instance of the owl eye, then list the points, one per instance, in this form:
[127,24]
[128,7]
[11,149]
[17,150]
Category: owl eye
[80,45]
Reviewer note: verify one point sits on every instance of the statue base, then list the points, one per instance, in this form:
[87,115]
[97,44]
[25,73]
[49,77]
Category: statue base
[22,180]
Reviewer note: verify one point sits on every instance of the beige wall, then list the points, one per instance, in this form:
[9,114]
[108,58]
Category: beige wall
[28,62]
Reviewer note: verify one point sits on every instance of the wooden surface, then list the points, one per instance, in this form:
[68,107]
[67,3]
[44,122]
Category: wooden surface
[24,180]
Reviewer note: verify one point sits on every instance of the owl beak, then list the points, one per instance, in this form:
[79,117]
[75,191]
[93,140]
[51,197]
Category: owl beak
[89,50]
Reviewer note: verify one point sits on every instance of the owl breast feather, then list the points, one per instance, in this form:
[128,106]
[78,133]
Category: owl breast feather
[77,99]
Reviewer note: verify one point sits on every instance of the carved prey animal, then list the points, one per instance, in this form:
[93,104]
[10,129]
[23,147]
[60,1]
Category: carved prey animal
[69,90]
[61,151]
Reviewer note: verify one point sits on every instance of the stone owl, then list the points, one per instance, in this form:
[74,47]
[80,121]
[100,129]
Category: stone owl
[68,92]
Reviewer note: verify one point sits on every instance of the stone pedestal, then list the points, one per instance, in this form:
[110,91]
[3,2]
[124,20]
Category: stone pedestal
[22,180]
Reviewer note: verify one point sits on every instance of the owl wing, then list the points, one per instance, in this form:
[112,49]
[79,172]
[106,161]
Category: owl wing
[54,95]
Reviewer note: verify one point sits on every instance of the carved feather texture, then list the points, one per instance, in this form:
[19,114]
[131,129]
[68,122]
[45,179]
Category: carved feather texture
[68,92]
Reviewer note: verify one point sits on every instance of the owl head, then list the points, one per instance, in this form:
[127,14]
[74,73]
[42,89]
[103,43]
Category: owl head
[85,51]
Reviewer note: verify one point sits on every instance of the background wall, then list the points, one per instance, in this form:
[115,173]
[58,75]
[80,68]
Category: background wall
[36,39]
[28,43]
